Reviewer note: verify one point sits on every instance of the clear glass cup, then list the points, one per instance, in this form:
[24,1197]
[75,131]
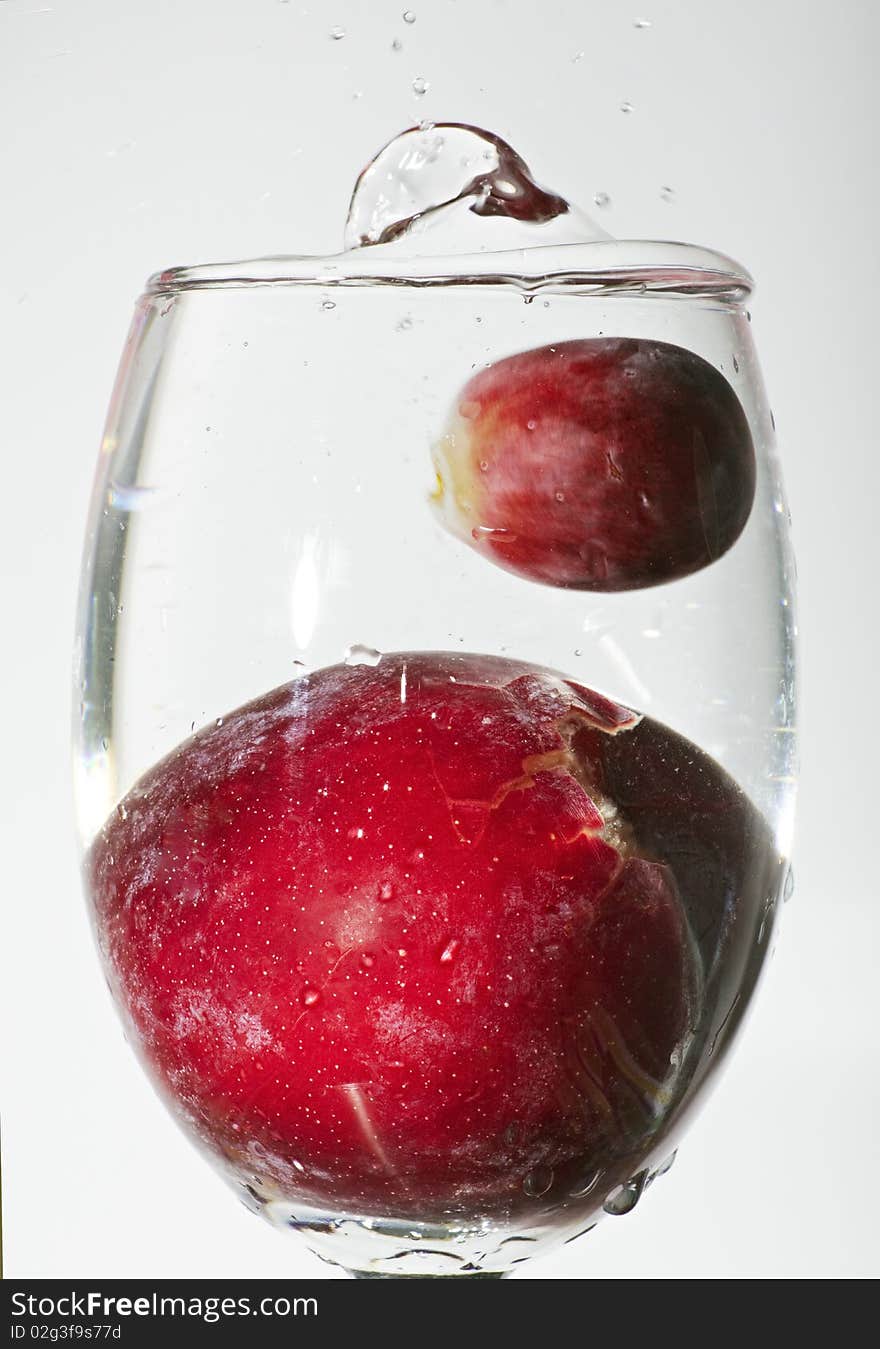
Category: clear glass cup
[262,514]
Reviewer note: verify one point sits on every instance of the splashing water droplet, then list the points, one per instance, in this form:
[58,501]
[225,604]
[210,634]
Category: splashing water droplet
[420,86]
[362,655]
[538,1182]
[602,200]
[625,1199]
[445,181]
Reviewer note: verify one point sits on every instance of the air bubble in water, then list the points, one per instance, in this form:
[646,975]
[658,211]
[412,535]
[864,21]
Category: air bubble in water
[585,1185]
[538,1182]
[362,655]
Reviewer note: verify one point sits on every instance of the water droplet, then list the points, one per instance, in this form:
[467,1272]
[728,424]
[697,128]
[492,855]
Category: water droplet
[641,23]
[219,722]
[408,16]
[367,960]
[788,889]
[362,655]
[560,496]
[327,305]
[405,324]
[337,34]
[447,955]
[601,199]
[664,1166]
[420,86]
[578,56]
[625,1199]
[538,1182]
[386,892]
[667,194]
[310,997]
[736,365]
[626,106]
[397,45]
[484,465]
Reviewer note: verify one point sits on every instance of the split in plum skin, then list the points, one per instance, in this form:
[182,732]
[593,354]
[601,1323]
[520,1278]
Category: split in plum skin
[598,464]
[394,944]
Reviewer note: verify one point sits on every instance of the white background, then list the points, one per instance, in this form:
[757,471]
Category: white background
[142,133]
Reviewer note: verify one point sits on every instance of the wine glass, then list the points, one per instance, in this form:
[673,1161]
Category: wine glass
[434,711]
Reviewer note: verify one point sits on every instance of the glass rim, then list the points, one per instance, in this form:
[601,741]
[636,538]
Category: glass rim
[600,267]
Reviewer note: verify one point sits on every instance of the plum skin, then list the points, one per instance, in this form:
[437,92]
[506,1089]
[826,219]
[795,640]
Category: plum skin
[598,464]
[386,942]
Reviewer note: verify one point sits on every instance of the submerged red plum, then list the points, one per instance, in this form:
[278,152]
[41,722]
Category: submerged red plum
[387,938]
[599,464]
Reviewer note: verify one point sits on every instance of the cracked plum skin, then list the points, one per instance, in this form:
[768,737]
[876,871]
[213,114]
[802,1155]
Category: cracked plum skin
[599,464]
[384,941]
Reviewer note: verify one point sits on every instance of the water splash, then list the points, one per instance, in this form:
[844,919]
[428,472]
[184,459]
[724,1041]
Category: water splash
[446,180]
